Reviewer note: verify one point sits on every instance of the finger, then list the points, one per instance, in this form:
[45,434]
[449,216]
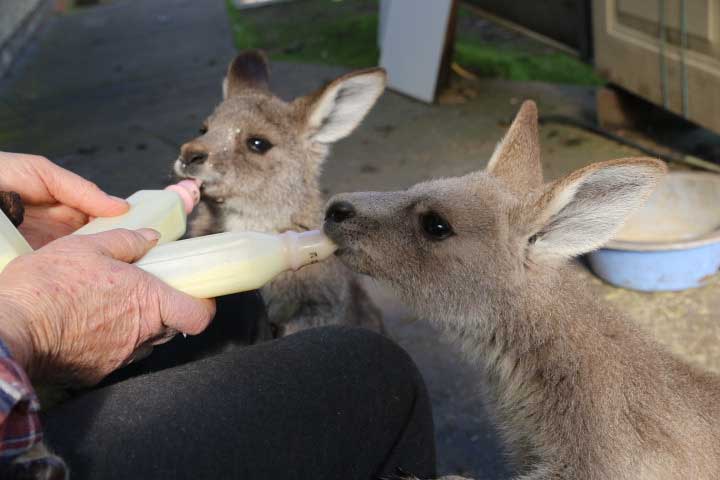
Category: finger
[38,236]
[141,352]
[182,312]
[125,245]
[165,337]
[56,214]
[71,189]
[45,224]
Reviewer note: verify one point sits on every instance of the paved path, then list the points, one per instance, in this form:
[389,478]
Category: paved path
[111,91]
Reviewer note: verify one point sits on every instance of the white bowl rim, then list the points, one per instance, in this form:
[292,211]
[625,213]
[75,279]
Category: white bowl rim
[707,239]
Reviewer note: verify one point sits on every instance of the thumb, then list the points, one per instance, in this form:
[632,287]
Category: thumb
[74,191]
[182,312]
[125,245]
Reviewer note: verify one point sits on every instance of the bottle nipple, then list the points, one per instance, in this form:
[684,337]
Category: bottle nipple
[189,191]
[305,248]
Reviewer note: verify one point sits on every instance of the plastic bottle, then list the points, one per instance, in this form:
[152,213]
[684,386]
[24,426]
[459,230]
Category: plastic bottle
[163,210]
[203,267]
[225,263]
[212,265]
[12,244]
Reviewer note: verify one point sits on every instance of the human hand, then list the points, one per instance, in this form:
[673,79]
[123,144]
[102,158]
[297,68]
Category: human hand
[75,310]
[57,201]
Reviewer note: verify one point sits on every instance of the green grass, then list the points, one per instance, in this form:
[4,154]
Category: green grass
[243,30]
[491,61]
[314,31]
[344,32]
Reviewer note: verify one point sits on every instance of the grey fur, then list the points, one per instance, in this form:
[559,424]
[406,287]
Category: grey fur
[577,390]
[279,190]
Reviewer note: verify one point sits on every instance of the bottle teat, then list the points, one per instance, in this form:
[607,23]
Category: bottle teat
[189,191]
[306,248]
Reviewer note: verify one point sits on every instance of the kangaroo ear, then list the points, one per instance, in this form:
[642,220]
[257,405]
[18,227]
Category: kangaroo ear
[582,211]
[338,108]
[516,160]
[248,70]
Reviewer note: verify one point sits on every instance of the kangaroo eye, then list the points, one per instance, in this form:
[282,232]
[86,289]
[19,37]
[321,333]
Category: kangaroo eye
[435,226]
[203,130]
[258,145]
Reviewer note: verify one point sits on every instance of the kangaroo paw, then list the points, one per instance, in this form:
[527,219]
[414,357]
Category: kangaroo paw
[12,206]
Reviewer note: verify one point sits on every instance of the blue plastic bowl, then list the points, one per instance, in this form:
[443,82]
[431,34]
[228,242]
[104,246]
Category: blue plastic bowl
[673,243]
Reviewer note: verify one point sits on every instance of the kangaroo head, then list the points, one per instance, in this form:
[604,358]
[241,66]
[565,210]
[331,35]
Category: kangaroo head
[447,242]
[264,152]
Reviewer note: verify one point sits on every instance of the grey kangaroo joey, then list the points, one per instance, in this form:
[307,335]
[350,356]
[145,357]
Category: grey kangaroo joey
[576,389]
[259,159]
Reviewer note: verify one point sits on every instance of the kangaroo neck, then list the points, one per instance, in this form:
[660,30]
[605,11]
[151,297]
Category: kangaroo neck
[526,342]
[242,215]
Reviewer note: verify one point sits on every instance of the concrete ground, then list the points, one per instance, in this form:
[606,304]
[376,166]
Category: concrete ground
[112,91]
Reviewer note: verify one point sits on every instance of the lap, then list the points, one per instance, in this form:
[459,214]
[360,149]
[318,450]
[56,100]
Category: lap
[325,403]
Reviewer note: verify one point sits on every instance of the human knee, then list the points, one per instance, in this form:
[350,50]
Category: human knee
[358,347]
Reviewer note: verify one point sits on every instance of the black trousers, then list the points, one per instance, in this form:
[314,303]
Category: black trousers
[328,403]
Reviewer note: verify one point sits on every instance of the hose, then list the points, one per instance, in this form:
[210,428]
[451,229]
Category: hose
[681,159]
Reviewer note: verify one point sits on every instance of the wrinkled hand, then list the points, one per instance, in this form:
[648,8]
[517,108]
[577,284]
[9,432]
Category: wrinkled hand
[75,310]
[57,201]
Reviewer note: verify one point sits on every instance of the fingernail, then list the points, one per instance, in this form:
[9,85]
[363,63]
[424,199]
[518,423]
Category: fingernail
[149,234]
[117,199]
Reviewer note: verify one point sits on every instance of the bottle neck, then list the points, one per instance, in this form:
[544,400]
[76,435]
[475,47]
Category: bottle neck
[306,248]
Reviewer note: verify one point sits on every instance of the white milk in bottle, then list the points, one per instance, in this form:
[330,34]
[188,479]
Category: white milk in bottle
[162,210]
[232,262]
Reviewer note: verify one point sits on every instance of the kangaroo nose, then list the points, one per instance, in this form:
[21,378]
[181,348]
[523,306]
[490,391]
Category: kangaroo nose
[190,154]
[339,212]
